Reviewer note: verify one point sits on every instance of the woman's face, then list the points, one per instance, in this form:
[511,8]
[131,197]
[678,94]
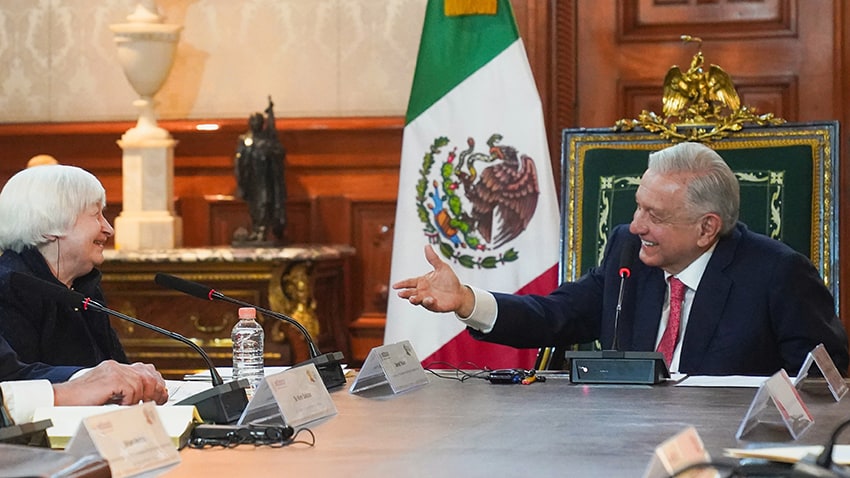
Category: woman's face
[81,249]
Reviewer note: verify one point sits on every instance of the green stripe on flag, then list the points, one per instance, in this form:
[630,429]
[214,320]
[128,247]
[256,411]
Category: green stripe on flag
[453,48]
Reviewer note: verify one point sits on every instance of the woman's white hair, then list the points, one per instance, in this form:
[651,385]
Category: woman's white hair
[40,204]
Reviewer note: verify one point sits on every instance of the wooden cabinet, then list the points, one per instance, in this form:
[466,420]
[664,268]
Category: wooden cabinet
[306,283]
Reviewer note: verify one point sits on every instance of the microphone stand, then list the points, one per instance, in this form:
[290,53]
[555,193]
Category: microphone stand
[624,274]
[328,364]
[615,366]
[221,404]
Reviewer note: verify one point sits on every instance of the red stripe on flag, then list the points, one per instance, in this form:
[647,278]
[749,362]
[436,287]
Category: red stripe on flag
[463,351]
[542,284]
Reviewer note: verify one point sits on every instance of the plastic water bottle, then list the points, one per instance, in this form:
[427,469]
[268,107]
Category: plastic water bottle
[248,338]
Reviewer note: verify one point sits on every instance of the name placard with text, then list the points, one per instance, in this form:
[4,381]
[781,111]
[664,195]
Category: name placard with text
[293,397]
[778,389]
[394,364]
[132,439]
[678,452]
[820,357]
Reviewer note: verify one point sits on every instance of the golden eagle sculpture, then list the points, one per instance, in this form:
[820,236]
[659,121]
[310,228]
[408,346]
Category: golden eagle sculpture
[698,104]
[697,94]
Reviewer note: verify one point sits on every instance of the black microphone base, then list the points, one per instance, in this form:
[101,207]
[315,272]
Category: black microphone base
[330,368]
[223,404]
[610,366]
[30,434]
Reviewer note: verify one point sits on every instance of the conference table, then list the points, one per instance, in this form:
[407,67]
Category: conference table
[477,429]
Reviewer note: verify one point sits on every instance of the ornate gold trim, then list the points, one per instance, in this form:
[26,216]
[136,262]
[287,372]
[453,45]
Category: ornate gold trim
[700,104]
[689,131]
[218,277]
[294,296]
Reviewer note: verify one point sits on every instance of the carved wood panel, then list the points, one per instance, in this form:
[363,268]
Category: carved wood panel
[642,20]
[772,49]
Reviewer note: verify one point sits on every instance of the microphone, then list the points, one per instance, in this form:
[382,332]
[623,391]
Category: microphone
[222,404]
[627,257]
[329,364]
[614,366]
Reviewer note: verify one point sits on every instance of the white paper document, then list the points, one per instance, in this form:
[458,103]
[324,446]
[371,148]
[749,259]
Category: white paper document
[179,390]
[791,454]
[739,381]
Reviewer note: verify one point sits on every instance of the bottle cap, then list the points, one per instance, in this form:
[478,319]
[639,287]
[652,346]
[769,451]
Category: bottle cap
[247,313]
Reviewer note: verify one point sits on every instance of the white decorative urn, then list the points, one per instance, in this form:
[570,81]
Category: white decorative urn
[146,48]
[146,51]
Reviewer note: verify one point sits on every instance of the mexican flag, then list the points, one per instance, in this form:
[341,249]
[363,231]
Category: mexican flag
[475,180]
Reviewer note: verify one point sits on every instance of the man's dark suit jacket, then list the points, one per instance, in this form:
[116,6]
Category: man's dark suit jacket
[760,306]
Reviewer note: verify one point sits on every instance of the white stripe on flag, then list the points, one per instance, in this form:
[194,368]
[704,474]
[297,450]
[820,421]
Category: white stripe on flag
[499,98]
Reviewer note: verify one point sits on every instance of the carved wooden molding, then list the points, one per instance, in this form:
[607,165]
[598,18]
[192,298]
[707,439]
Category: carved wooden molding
[642,20]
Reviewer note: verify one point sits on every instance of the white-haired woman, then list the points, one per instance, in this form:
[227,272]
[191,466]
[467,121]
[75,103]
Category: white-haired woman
[52,227]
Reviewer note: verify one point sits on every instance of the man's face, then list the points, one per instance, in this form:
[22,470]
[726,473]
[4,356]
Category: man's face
[671,236]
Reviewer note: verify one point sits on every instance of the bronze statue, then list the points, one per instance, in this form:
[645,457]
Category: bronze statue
[260,180]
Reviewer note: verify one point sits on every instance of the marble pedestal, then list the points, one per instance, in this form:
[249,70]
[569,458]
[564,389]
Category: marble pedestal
[147,220]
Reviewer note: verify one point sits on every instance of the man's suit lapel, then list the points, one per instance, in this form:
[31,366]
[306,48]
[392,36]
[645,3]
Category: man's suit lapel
[709,302]
[650,292]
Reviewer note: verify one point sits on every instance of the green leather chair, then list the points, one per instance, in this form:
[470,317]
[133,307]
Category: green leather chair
[789,191]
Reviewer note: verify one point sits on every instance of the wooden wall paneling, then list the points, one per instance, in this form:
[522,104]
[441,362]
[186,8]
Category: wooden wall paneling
[216,217]
[331,220]
[766,47]
[333,330]
[841,15]
[536,27]
[367,224]
[775,94]
[652,20]
[374,227]
[564,75]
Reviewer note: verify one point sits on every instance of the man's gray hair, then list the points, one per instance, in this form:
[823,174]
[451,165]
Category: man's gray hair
[39,204]
[712,187]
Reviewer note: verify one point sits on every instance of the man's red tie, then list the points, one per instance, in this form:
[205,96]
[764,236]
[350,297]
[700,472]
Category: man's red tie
[671,333]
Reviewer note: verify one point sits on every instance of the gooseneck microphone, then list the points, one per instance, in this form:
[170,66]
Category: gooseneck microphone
[615,366]
[222,404]
[627,257]
[329,364]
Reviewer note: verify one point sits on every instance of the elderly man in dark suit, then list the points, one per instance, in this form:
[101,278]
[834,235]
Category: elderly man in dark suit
[750,305]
